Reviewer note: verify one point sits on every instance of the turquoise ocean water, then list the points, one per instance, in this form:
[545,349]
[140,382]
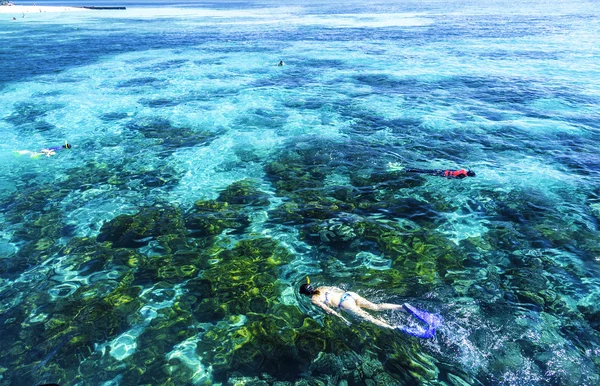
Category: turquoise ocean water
[205,183]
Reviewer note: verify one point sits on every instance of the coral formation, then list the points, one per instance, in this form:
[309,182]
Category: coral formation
[165,294]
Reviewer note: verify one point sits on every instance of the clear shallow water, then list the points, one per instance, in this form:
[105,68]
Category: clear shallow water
[170,105]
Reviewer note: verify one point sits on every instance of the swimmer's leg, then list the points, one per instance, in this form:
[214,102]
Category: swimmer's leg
[31,154]
[425,171]
[24,152]
[364,303]
[365,316]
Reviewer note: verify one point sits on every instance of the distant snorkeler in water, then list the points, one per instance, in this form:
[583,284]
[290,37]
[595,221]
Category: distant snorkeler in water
[281,63]
[448,173]
[47,152]
[461,173]
[332,298]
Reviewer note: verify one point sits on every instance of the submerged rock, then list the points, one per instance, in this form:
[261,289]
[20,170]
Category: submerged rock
[209,218]
[169,136]
[260,335]
[244,192]
[134,231]
[589,306]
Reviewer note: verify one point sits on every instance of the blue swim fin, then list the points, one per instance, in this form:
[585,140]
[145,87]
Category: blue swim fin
[418,331]
[432,320]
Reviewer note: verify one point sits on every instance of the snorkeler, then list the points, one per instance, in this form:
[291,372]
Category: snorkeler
[47,152]
[462,173]
[330,298]
[281,63]
[448,173]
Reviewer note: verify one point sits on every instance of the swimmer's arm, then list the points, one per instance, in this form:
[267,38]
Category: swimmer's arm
[47,152]
[331,311]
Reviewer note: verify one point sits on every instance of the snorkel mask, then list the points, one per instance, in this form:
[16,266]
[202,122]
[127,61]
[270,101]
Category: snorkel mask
[306,288]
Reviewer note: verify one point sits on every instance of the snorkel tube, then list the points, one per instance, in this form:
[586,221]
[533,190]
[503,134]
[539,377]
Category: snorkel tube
[307,289]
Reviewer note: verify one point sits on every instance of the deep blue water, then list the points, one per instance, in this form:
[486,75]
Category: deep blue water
[205,183]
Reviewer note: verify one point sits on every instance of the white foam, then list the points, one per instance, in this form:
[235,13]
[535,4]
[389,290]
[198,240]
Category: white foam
[364,20]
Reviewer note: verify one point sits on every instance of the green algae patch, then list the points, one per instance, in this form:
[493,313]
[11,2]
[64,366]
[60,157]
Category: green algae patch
[245,279]
[251,330]
[134,231]
[211,217]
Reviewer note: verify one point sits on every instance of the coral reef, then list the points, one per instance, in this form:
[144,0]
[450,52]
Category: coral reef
[169,136]
[134,231]
[171,295]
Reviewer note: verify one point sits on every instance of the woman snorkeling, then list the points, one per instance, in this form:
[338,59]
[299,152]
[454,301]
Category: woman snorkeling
[47,152]
[332,298]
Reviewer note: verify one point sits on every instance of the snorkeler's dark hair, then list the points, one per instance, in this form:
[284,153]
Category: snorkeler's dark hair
[470,173]
[308,290]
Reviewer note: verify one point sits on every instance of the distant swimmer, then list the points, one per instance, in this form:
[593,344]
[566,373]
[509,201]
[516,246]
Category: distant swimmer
[462,173]
[448,173]
[281,63]
[47,152]
[334,300]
